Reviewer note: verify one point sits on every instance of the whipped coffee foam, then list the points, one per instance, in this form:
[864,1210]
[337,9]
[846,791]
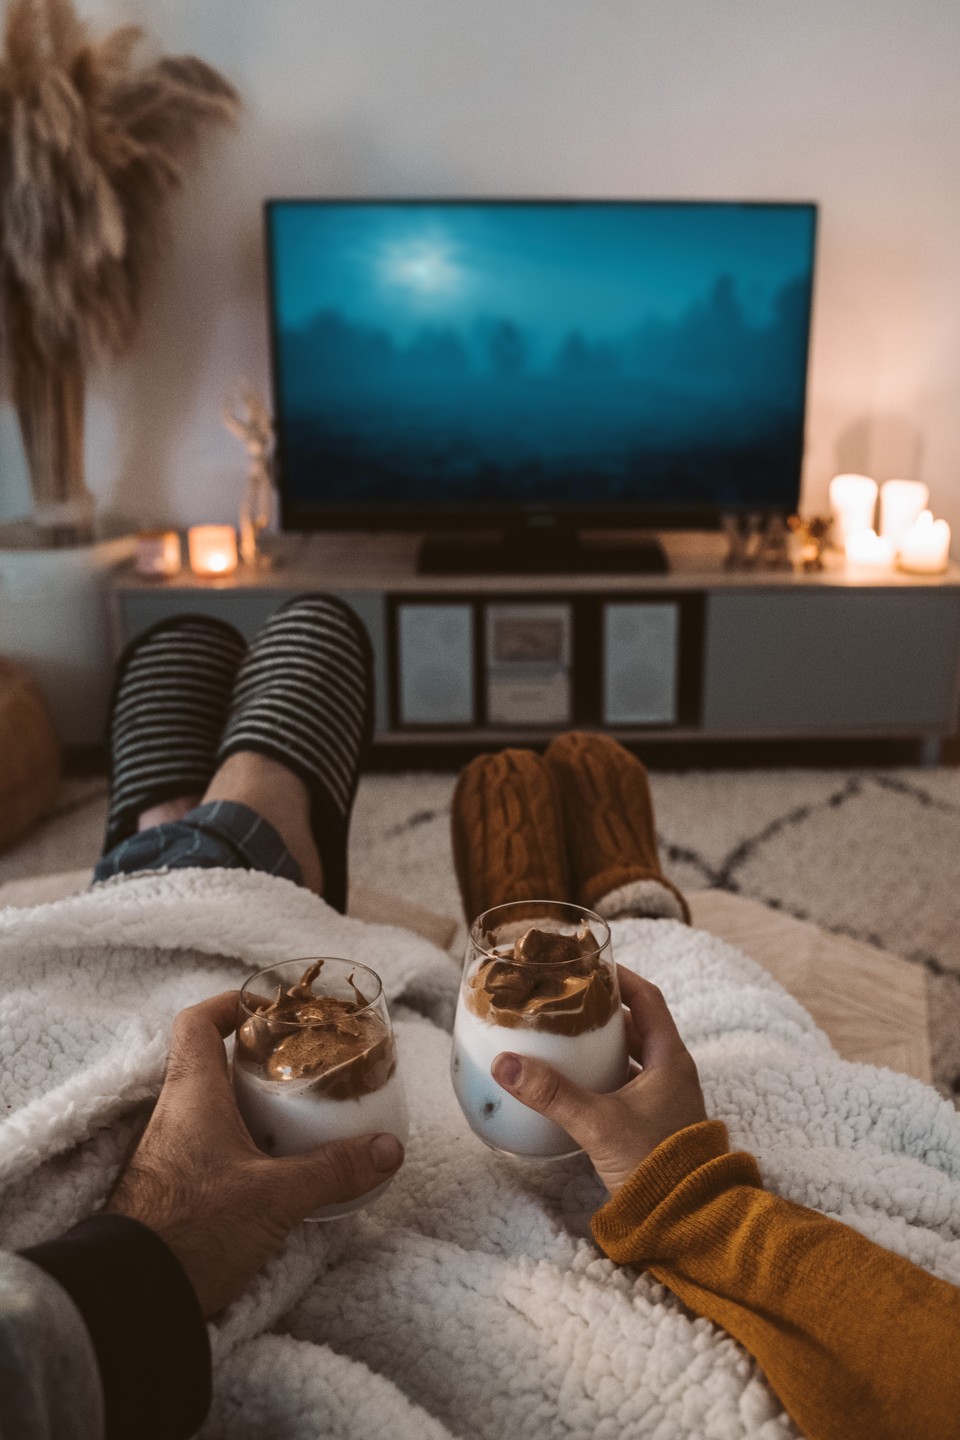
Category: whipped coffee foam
[309,1068]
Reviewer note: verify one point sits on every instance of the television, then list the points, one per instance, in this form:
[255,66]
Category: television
[537,366]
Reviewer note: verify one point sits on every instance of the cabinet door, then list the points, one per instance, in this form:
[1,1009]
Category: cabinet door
[640,654]
[831,661]
[435,661]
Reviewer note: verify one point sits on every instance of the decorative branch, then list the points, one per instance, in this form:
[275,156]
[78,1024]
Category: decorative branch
[92,146]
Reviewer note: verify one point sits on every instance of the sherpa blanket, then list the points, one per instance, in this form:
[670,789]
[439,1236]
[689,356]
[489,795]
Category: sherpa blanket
[470,1301]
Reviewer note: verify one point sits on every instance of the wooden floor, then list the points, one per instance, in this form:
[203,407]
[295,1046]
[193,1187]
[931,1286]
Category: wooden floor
[873,1006]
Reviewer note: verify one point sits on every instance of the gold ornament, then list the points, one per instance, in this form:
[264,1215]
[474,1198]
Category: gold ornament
[811,535]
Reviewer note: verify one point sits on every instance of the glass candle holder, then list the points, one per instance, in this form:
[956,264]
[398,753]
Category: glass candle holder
[539,979]
[158,554]
[315,1059]
[213,550]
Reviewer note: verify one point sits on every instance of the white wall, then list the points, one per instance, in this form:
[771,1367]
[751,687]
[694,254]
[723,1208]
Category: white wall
[853,103]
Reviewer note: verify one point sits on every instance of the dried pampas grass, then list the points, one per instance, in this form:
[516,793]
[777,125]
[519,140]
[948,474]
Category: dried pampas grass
[92,145]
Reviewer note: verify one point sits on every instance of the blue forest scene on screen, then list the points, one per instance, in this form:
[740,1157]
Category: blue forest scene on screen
[582,354]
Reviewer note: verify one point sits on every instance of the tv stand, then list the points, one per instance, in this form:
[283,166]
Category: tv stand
[537,549]
[757,655]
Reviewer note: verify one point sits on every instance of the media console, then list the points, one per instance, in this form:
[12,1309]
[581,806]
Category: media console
[699,653]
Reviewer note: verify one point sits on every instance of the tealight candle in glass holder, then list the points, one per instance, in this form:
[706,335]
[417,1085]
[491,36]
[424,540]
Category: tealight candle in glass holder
[158,554]
[213,550]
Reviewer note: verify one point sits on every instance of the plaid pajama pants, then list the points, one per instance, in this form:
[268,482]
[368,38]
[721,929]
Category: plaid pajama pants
[218,835]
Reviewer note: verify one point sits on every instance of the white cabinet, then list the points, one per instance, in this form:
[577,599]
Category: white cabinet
[700,653]
[831,662]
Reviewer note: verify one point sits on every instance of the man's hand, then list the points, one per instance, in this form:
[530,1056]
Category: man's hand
[198,1180]
[620,1129]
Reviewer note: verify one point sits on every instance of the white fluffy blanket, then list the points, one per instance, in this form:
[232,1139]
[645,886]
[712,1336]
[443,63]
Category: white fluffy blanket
[470,1301]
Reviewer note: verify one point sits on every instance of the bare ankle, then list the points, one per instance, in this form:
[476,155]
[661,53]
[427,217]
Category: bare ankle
[280,797]
[167,811]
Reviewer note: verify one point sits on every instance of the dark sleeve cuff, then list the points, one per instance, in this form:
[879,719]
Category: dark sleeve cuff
[145,1323]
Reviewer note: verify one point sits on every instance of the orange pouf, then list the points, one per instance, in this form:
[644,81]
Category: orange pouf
[29,752]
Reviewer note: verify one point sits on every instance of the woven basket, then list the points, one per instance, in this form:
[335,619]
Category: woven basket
[29,752]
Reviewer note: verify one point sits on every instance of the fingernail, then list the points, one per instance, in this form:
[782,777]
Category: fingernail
[507,1069]
[386,1152]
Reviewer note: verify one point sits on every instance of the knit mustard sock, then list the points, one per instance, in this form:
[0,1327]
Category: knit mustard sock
[507,829]
[610,833]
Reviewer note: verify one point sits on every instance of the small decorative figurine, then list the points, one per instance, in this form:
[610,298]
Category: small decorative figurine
[245,415]
[743,534]
[755,540]
[810,535]
[772,553]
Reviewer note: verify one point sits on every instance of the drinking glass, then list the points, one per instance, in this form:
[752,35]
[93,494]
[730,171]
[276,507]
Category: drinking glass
[583,1035]
[297,1095]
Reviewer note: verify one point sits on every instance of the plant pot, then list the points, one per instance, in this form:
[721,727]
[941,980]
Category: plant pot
[56,620]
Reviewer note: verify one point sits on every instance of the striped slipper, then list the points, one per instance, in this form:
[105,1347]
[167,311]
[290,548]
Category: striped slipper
[170,703]
[304,697]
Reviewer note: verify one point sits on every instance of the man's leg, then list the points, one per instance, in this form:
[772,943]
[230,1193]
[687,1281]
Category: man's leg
[255,815]
[283,767]
[170,703]
[280,798]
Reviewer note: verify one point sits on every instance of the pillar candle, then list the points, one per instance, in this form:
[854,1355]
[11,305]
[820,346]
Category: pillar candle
[925,548]
[853,500]
[869,551]
[900,503]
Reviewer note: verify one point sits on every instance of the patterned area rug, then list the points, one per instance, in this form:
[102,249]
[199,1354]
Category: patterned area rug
[871,854]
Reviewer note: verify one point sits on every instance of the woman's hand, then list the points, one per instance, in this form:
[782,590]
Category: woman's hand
[197,1179]
[620,1129]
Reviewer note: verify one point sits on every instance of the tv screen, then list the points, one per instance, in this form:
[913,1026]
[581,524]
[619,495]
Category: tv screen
[628,360]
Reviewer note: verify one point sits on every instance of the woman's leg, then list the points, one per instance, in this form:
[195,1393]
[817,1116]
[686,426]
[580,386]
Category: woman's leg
[610,830]
[577,825]
[507,831]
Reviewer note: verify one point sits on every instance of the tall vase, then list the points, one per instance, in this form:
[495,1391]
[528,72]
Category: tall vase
[49,397]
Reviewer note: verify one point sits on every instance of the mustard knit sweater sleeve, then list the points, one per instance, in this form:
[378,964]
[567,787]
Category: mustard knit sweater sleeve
[858,1343]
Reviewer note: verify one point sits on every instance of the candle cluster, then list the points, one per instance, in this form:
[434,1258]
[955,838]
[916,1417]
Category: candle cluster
[212,550]
[908,535]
